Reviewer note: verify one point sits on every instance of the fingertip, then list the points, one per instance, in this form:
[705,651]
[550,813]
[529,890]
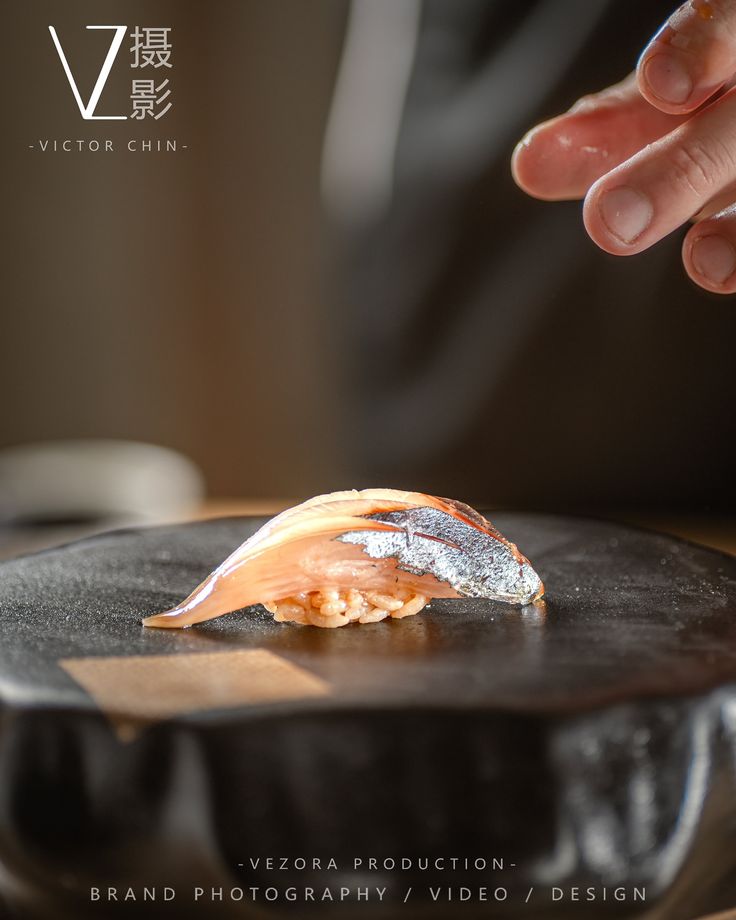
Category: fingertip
[709,257]
[673,82]
[616,217]
[664,80]
[518,170]
[593,224]
[528,166]
[545,164]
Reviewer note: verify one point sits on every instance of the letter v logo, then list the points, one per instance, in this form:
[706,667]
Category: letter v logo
[87,111]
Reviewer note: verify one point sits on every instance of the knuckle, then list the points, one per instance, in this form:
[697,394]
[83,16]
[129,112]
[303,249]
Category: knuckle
[605,99]
[697,23]
[718,13]
[698,166]
[586,104]
[709,10]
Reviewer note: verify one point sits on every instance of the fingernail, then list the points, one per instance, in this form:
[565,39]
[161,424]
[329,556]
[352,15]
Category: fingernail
[714,258]
[667,78]
[626,212]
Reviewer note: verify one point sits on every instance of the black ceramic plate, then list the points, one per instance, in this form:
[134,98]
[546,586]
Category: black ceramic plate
[585,744]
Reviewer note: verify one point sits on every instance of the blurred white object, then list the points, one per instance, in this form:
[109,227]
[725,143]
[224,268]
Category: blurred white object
[363,125]
[91,480]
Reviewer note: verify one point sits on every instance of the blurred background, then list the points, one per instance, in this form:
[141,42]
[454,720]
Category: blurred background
[333,281]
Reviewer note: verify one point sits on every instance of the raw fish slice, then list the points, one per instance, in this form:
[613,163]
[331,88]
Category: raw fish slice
[362,556]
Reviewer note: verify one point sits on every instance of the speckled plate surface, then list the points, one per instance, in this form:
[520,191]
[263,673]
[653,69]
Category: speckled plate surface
[588,742]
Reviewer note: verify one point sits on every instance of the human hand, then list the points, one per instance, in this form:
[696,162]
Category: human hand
[656,150]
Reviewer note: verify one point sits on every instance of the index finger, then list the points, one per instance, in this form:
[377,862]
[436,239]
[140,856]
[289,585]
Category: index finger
[691,57]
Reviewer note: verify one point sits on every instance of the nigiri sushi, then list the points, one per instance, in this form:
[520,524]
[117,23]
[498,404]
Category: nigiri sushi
[362,556]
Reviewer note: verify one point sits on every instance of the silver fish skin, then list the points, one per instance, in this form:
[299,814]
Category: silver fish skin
[472,561]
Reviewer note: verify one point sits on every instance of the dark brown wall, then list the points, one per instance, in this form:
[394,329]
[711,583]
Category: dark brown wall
[172,297]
